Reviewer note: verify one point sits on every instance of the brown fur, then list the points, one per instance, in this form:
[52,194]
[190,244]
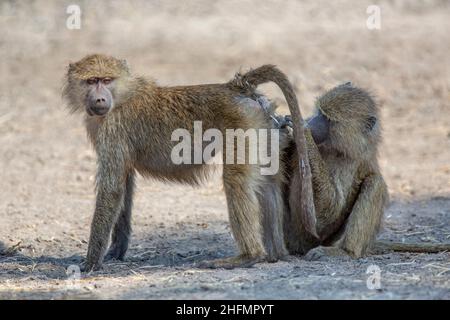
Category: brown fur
[350,194]
[304,210]
[349,190]
[135,135]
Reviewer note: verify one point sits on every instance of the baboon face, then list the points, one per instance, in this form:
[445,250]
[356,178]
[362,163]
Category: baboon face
[320,127]
[346,120]
[348,136]
[96,84]
[99,98]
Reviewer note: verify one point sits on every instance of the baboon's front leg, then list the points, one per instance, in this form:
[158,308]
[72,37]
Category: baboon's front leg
[122,229]
[110,196]
[327,194]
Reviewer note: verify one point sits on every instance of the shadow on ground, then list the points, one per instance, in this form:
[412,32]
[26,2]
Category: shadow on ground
[161,263]
[158,251]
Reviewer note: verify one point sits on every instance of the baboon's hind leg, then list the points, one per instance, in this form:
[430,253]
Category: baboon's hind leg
[361,226]
[365,219]
[272,210]
[122,229]
[240,184]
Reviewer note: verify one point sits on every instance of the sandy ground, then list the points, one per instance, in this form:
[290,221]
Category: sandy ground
[47,166]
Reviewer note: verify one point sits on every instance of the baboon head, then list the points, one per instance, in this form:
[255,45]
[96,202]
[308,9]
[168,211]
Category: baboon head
[346,120]
[96,84]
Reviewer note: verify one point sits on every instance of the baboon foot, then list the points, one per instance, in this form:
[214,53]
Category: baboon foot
[322,253]
[116,252]
[88,267]
[230,263]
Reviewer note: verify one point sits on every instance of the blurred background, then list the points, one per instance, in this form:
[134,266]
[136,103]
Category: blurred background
[47,165]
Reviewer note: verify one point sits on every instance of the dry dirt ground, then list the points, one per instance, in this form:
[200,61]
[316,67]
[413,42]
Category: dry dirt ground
[47,166]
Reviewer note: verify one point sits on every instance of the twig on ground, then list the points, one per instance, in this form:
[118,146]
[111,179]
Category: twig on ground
[438,266]
[401,263]
[152,267]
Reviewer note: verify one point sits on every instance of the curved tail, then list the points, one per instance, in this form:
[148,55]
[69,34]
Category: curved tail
[270,73]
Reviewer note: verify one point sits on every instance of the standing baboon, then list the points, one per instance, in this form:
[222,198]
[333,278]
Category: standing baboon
[130,121]
[349,190]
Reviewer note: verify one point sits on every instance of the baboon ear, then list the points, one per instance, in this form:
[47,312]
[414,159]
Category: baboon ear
[370,124]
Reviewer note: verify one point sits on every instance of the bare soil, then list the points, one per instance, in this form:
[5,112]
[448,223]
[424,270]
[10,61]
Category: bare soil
[47,166]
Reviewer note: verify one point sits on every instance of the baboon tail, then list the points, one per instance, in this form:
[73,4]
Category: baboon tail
[381,245]
[269,73]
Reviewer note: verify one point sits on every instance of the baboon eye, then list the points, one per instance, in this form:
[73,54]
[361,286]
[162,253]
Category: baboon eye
[106,80]
[371,122]
[92,80]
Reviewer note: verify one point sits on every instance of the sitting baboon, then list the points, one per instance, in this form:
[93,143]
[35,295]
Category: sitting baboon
[350,194]
[349,190]
[130,121]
